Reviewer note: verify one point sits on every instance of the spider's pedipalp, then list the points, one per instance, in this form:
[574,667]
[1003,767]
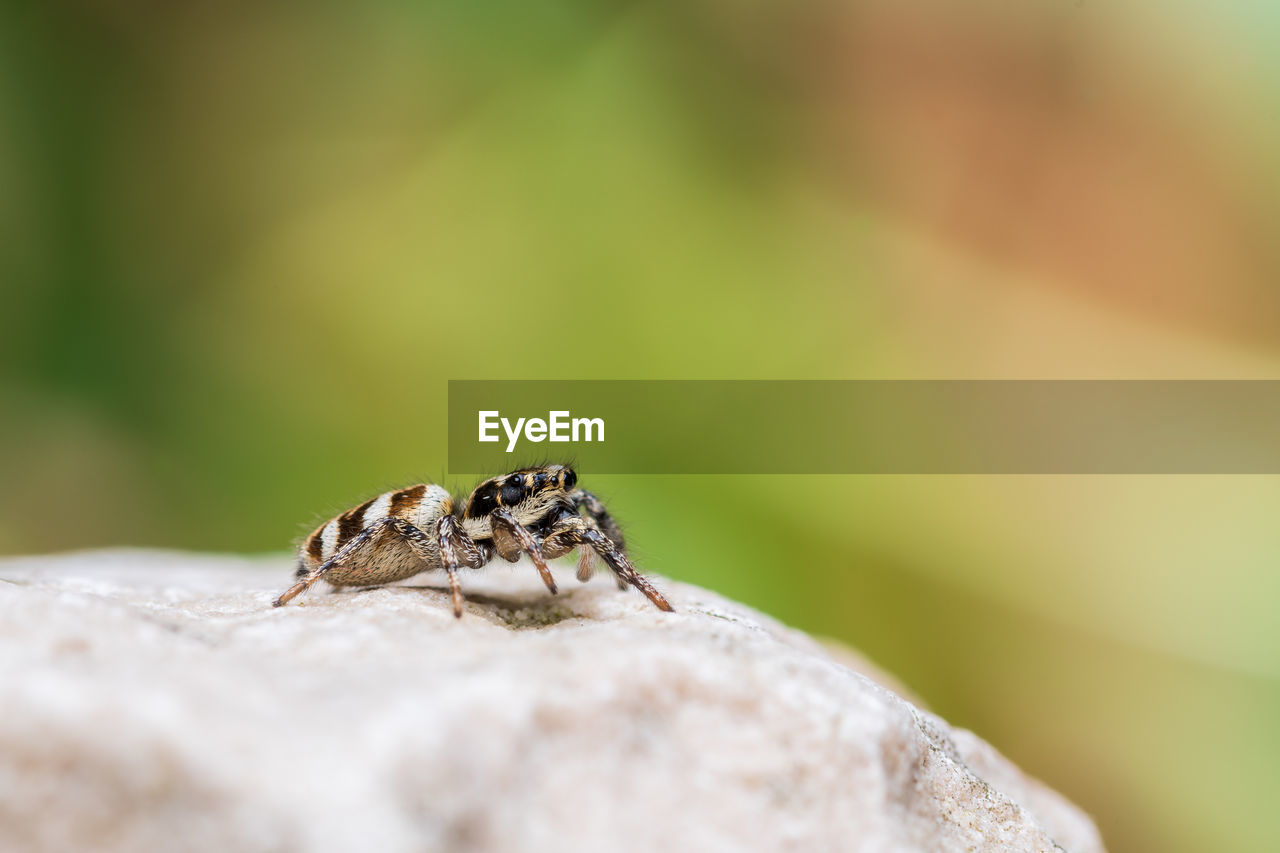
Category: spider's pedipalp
[510,539]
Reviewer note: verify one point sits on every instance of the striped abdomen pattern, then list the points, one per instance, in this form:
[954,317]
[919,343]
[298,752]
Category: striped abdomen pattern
[421,505]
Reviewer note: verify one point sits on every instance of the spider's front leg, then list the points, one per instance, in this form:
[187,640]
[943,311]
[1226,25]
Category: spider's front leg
[511,539]
[596,516]
[573,531]
[585,502]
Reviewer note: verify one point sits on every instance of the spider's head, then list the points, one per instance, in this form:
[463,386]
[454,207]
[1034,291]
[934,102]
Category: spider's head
[531,494]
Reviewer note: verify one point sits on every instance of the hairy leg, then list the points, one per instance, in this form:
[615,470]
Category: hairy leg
[573,531]
[597,517]
[451,549]
[593,508]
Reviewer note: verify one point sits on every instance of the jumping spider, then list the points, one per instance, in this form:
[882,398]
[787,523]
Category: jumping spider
[534,511]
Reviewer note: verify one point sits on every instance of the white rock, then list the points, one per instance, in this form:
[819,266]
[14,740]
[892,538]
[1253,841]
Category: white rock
[156,701]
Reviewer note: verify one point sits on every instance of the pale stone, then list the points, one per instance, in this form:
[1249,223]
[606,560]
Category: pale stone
[156,701]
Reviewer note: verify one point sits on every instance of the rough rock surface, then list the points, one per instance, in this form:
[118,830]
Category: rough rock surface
[156,701]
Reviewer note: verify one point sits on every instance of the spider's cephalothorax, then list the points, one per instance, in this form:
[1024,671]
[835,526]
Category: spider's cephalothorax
[534,511]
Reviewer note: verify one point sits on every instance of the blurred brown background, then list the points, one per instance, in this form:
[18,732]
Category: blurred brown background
[246,246]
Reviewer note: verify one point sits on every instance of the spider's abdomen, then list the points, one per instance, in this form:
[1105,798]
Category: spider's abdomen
[384,557]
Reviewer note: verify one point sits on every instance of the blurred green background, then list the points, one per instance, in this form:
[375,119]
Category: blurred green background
[245,245]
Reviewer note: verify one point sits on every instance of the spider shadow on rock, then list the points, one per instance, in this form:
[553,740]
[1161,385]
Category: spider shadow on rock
[519,608]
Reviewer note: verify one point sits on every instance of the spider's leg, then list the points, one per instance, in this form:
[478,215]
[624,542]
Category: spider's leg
[551,549]
[449,537]
[598,517]
[458,549]
[573,531]
[587,557]
[510,538]
[414,537]
[472,554]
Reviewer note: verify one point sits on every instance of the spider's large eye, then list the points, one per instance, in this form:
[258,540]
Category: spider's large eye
[481,504]
[512,492]
[570,478]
